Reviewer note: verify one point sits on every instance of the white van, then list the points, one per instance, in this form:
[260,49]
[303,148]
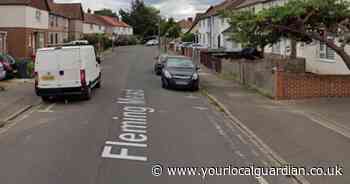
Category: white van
[71,70]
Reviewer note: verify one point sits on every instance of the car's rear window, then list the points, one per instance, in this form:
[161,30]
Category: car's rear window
[179,63]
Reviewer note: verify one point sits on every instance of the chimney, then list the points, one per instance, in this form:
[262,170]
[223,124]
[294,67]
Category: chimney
[190,19]
[89,11]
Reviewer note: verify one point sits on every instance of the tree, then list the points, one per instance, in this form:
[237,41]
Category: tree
[144,19]
[170,28]
[106,12]
[245,29]
[327,21]
[188,37]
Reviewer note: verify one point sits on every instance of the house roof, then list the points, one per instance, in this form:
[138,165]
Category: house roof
[196,20]
[113,21]
[94,19]
[226,4]
[185,24]
[68,10]
[247,3]
[40,4]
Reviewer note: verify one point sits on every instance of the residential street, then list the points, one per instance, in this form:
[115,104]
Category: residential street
[63,142]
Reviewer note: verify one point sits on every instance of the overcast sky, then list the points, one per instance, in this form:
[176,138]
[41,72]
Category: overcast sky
[178,9]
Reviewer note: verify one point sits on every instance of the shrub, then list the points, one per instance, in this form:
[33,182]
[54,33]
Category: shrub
[95,39]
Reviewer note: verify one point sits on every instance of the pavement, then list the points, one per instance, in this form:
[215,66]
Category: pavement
[305,133]
[17,95]
[129,128]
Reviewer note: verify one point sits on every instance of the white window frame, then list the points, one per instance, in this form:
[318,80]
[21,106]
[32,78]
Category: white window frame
[326,54]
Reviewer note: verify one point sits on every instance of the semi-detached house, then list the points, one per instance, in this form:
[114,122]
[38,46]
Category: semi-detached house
[25,24]
[65,22]
[93,24]
[212,28]
[116,26]
[58,24]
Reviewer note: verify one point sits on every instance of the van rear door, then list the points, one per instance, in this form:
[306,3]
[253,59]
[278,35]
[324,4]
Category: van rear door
[69,66]
[47,69]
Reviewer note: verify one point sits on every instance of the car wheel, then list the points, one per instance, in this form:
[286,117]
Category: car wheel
[165,85]
[87,95]
[195,87]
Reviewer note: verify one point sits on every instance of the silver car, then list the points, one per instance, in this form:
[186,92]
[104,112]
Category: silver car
[2,72]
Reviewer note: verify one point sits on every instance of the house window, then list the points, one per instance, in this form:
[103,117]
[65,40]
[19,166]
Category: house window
[56,21]
[51,38]
[326,52]
[51,21]
[91,26]
[99,27]
[56,38]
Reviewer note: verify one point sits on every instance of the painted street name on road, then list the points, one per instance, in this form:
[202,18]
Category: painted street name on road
[133,136]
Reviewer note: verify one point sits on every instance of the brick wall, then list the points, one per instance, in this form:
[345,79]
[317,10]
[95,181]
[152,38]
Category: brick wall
[307,85]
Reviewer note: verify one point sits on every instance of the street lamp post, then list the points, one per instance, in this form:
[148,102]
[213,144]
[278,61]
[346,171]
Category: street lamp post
[159,40]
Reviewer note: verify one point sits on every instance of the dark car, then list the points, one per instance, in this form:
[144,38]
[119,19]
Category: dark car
[158,65]
[8,64]
[180,72]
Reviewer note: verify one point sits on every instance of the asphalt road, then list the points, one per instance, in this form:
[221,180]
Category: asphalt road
[130,125]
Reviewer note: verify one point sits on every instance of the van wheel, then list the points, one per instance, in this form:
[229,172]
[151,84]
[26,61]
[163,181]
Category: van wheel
[87,95]
[46,98]
[98,84]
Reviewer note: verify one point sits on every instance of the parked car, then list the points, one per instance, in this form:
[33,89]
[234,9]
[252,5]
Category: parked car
[2,72]
[158,65]
[8,64]
[71,70]
[152,43]
[180,72]
[197,46]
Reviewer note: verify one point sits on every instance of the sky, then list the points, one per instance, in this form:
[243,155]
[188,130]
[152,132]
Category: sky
[179,9]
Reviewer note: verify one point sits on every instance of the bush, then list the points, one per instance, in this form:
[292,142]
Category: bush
[189,37]
[30,68]
[94,39]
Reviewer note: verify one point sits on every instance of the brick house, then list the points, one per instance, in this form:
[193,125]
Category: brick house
[25,23]
[93,24]
[58,24]
[116,26]
[75,14]
[185,24]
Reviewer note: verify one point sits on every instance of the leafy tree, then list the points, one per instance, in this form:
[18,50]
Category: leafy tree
[245,29]
[144,19]
[327,21]
[188,37]
[106,12]
[170,28]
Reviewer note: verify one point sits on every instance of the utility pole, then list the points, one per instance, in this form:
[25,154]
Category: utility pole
[159,40]
[113,39]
